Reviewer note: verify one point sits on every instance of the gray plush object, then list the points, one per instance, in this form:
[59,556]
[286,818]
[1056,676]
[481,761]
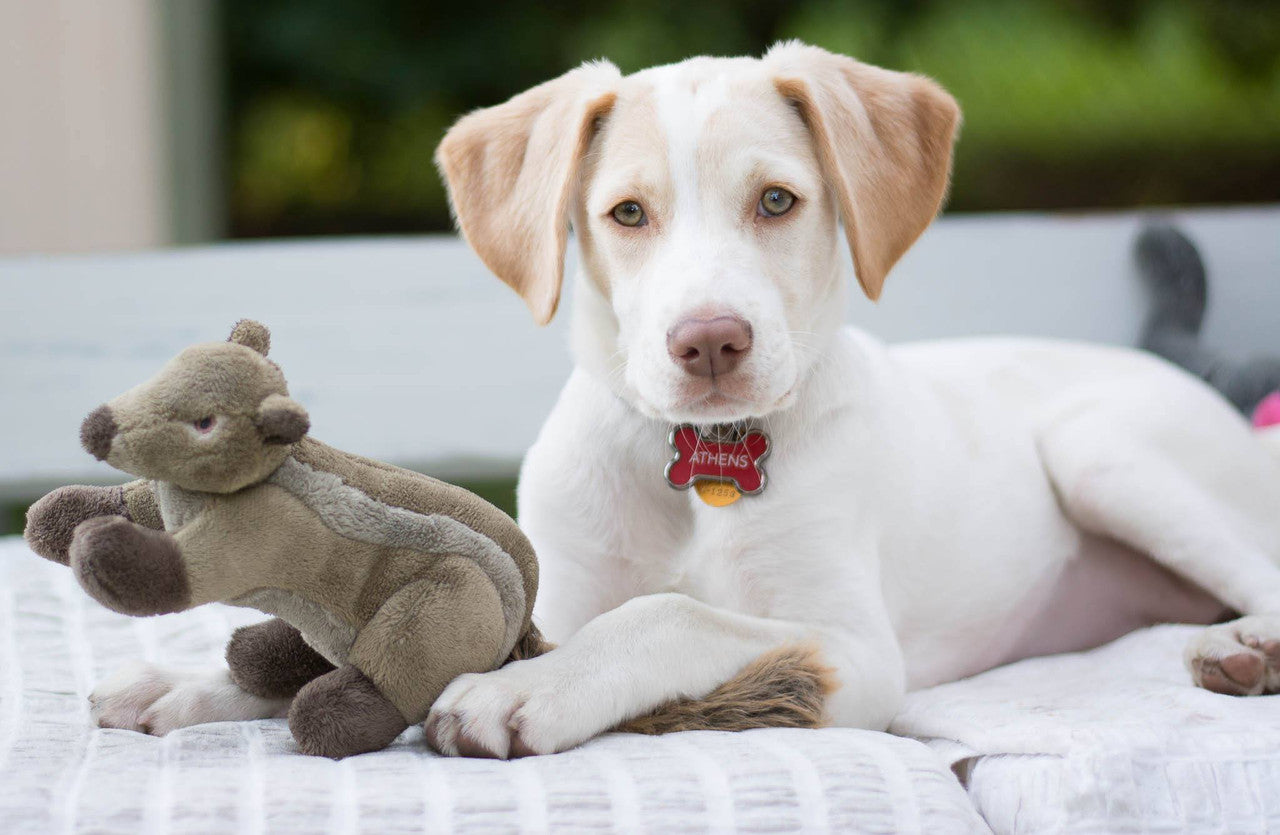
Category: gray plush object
[1174,275]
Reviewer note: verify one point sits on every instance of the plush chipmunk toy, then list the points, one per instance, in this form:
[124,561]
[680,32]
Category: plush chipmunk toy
[386,584]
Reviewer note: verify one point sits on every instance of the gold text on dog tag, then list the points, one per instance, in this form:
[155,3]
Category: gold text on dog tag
[717,493]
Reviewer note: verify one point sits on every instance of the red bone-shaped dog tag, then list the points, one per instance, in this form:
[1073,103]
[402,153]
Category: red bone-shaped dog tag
[736,462]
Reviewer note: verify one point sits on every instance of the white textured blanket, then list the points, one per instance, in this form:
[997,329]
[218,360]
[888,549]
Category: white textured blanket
[1112,740]
[60,774]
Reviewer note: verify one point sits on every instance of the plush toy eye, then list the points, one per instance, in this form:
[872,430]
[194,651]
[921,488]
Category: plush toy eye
[204,425]
[776,201]
[630,213]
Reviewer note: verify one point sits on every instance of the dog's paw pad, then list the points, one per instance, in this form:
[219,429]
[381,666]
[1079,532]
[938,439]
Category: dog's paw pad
[1235,675]
[1240,658]
[1244,668]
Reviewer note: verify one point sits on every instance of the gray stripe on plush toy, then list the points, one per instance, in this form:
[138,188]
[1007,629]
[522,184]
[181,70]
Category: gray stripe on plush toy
[353,514]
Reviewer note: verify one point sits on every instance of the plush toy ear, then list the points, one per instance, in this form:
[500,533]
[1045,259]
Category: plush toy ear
[281,420]
[251,334]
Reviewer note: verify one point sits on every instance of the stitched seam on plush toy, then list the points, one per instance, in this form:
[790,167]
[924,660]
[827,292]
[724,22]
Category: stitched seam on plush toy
[353,514]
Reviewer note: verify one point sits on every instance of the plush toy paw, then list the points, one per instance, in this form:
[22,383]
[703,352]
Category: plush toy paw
[271,660]
[343,713]
[128,568]
[1239,658]
[52,521]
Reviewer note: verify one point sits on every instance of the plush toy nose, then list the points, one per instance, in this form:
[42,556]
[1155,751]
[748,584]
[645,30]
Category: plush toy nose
[709,347]
[97,431]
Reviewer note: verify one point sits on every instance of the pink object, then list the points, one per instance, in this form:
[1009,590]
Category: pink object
[1268,411]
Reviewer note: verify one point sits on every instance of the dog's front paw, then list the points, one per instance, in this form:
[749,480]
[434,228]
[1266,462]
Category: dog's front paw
[122,700]
[1239,658]
[524,709]
[128,568]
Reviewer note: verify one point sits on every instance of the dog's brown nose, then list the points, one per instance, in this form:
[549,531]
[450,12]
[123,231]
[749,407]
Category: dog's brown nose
[97,431]
[709,347]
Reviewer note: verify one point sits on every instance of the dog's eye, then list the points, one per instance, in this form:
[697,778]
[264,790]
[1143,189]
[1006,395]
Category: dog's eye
[776,201]
[205,424]
[630,213]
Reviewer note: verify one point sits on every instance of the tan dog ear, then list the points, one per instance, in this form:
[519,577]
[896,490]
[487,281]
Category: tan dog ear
[884,141]
[251,334]
[282,420]
[511,169]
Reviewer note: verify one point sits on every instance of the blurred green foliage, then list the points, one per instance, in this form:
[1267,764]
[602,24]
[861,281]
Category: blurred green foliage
[13,517]
[336,105]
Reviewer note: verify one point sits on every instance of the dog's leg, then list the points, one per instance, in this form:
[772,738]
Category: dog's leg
[156,700]
[267,663]
[1148,503]
[653,650]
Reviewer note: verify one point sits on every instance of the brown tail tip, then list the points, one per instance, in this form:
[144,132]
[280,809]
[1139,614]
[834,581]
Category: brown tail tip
[786,688]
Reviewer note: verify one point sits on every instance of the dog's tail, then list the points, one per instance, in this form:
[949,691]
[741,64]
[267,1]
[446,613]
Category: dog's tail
[785,688]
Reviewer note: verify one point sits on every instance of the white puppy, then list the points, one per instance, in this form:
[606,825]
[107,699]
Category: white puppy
[930,510]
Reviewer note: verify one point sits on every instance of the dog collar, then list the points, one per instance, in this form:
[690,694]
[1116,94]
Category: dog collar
[722,462]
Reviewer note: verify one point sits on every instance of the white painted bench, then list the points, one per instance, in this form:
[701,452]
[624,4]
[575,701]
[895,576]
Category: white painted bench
[407,350]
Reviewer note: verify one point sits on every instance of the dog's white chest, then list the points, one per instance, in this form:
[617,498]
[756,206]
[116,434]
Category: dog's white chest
[712,565]
[734,557]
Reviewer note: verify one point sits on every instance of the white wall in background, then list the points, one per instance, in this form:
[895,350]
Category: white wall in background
[81,163]
[106,109]
[408,350]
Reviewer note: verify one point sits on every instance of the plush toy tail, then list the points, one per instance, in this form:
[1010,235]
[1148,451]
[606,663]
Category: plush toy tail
[786,688]
[530,645]
[1174,275]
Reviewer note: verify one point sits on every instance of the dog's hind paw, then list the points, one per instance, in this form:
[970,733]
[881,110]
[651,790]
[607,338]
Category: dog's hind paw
[154,700]
[1238,658]
[121,700]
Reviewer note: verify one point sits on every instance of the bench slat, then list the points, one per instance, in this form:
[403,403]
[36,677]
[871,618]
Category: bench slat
[409,351]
